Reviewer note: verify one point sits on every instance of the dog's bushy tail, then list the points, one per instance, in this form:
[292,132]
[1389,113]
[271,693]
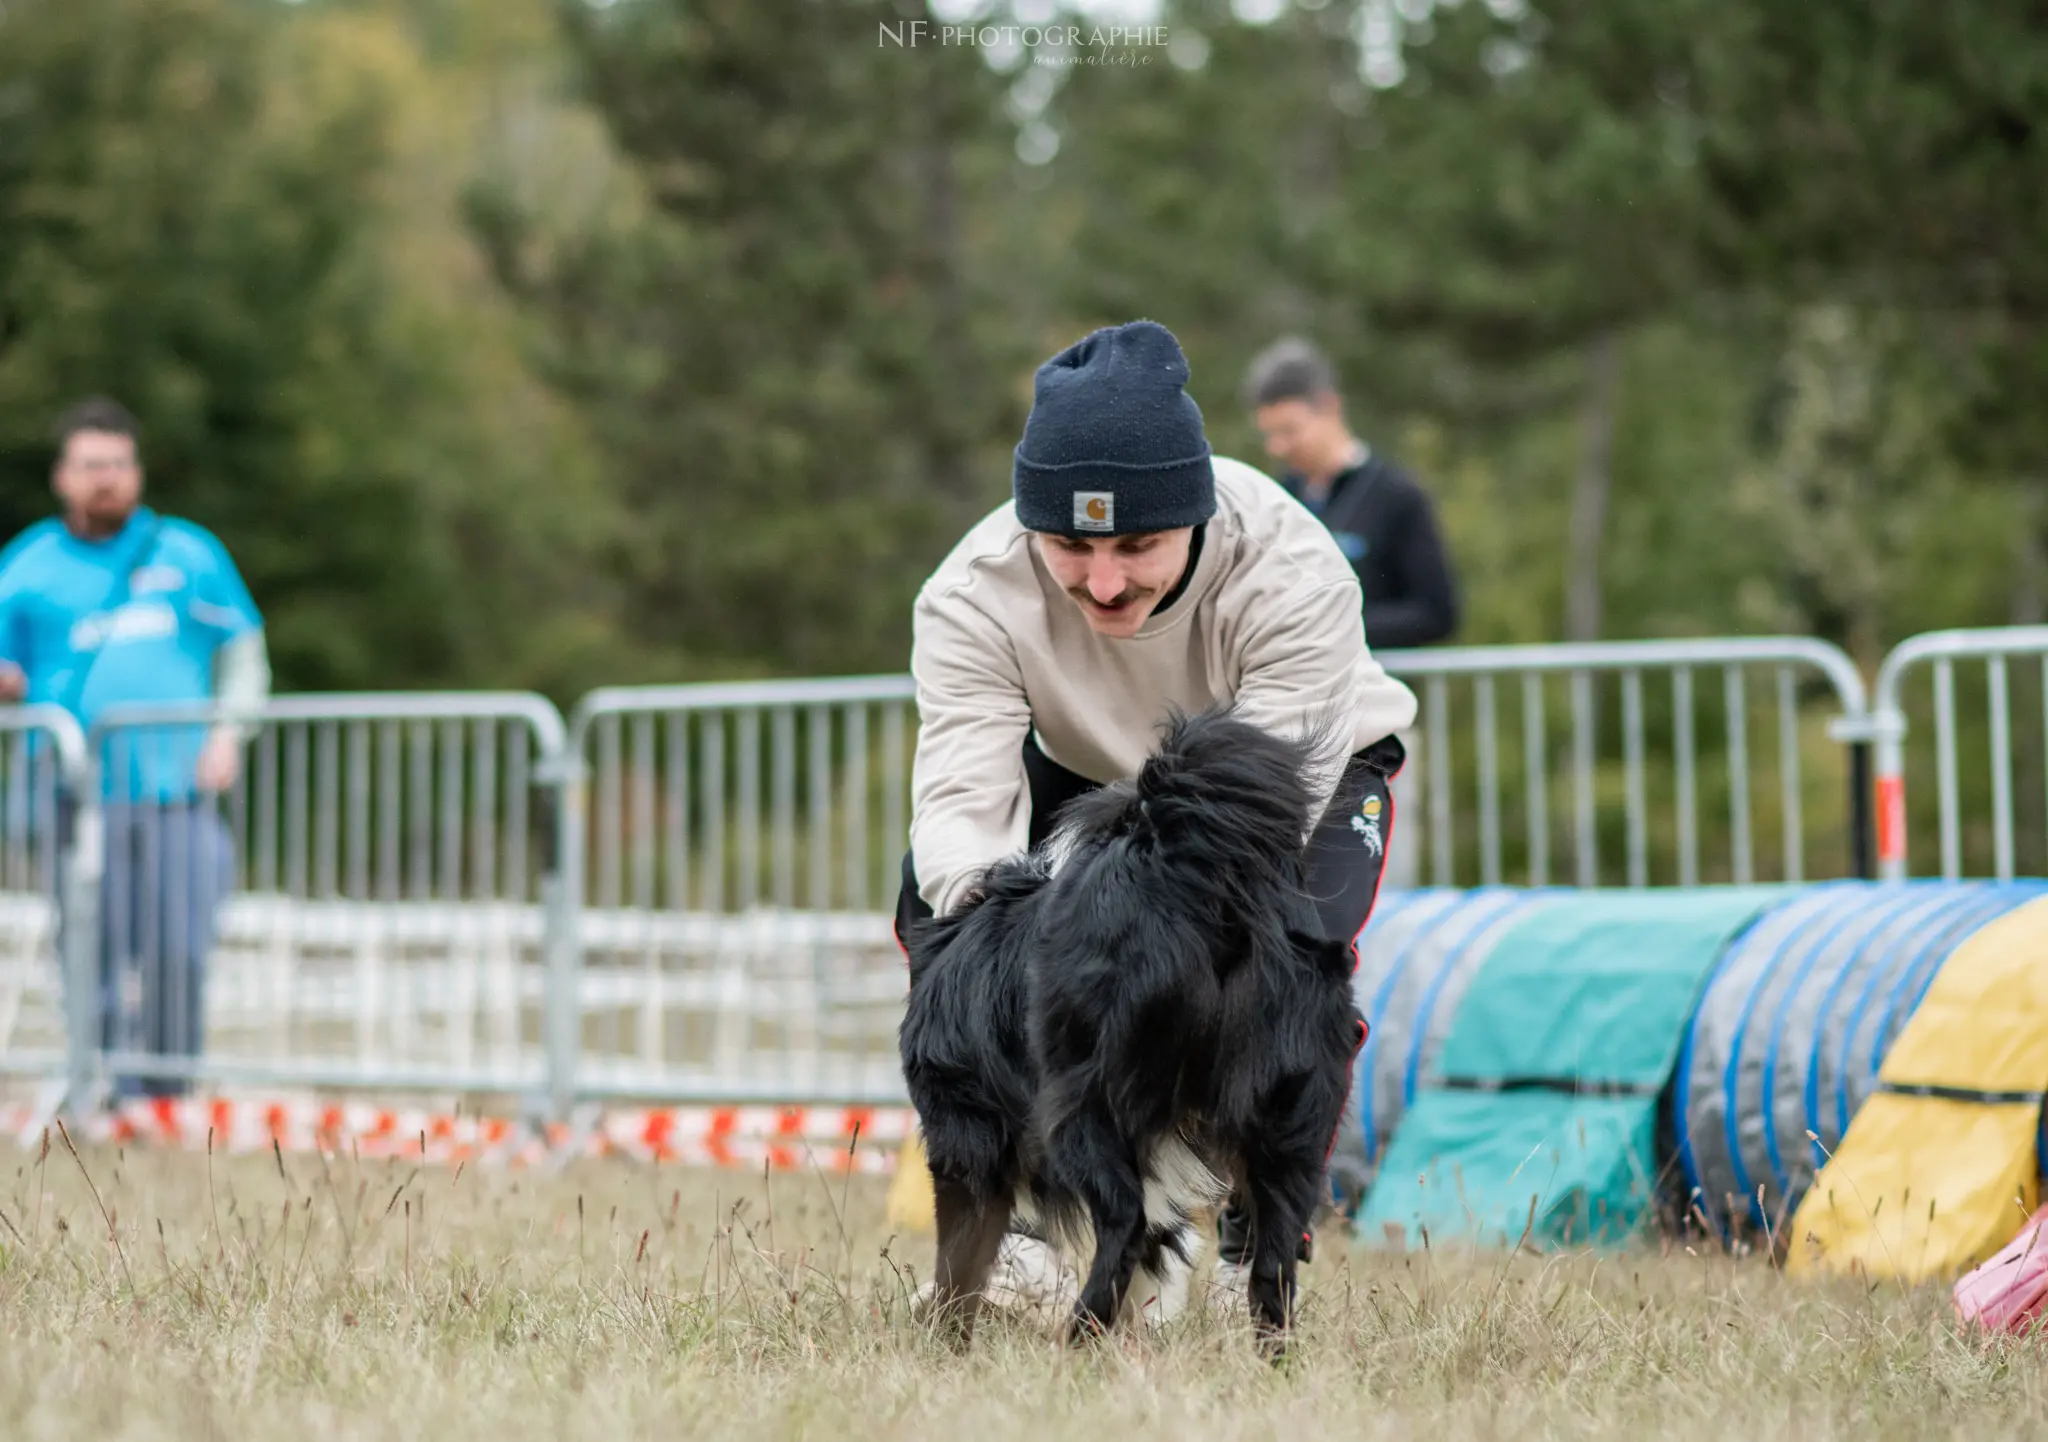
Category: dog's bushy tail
[1219,792]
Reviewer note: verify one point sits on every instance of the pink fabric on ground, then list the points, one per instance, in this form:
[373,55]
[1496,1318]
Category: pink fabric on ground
[2006,1294]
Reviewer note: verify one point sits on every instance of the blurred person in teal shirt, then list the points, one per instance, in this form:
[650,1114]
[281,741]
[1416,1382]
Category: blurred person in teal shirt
[109,605]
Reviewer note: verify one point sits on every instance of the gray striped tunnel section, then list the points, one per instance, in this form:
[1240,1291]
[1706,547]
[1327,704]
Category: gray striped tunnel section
[1795,1022]
[1415,961]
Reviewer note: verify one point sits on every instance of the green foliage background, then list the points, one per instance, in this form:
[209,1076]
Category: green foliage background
[526,343]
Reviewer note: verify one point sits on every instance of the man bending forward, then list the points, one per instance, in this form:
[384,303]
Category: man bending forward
[1132,572]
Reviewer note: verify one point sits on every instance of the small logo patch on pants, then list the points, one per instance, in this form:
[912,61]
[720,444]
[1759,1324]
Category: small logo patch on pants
[1367,824]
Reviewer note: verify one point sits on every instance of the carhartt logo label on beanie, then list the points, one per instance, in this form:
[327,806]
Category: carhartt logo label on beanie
[1114,445]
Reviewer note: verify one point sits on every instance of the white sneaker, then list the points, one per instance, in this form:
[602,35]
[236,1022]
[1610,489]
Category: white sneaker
[1030,1277]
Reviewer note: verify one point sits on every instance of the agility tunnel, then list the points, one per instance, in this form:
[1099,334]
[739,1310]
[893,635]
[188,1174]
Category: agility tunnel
[1539,1122]
[1790,1033]
[1940,1166]
[1546,1065]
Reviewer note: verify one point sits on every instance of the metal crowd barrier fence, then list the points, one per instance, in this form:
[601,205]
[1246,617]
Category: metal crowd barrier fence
[42,762]
[686,892]
[740,846]
[1543,808]
[1990,800]
[367,905]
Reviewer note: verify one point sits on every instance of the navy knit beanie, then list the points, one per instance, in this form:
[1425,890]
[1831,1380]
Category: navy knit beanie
[1114,443]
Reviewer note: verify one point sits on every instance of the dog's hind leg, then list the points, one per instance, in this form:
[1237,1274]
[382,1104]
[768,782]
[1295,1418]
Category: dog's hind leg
[969,1234]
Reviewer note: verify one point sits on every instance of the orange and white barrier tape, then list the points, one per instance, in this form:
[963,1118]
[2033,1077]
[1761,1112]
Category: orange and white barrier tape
[861,1139]
[793,1138]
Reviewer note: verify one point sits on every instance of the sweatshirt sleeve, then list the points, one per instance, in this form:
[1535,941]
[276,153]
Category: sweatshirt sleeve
[970,802]
[1307,671]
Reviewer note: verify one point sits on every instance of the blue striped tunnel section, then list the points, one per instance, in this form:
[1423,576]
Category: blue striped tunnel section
[1794,1023]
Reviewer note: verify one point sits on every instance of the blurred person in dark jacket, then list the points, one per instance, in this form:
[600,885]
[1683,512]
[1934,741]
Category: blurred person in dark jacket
[1381,519]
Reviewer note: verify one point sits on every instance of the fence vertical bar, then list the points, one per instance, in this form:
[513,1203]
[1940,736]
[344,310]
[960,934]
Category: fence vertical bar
[520,780]
[2001,769]
[1436,767]
[449,810]
[266,809]
[295,828]
[1741,853]
[390,811]
[748,800]
[1945,765]
[559,773]
[641,760]
[327,809]
[895,830]
[1536,775]
[818,796]
[856,806]
[1485,721]
[610,885]
[1632,763]
[676,864]
[711,778]
[1684,748]
[356,886]
[782,787]
[640,836]
[1792,821]
[1586,817]
[420,808]
[483,806]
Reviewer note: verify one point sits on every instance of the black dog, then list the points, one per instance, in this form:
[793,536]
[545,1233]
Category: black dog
[1142,1005]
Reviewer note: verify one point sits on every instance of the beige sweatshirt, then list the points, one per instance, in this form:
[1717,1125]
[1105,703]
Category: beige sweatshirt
[1270,619]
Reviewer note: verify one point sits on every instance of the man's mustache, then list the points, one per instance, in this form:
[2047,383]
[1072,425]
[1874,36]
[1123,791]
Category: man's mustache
[1082,593]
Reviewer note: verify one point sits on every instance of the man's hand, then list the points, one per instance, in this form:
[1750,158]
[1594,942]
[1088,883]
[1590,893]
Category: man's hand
[220,760]
[13,683]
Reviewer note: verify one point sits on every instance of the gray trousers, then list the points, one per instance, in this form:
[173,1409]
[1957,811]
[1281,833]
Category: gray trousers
[168,868]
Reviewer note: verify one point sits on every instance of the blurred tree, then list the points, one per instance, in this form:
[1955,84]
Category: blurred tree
[230,216]
[797,357]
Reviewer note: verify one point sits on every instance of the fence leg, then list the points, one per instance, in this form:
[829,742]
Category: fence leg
[1862,828]
[84,862]
[562,901]
[1889,728]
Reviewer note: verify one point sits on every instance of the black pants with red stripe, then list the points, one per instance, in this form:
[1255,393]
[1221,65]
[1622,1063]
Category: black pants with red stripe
[1347,853]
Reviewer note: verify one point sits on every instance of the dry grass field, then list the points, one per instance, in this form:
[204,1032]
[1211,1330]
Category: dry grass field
[163,1295]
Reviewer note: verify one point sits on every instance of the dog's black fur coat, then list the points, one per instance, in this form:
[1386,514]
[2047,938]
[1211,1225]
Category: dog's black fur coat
[1153,976]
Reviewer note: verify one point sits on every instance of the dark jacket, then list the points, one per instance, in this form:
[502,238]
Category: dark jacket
[1386,528]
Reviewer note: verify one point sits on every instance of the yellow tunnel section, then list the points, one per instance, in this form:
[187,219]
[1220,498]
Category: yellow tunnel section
[1938,1168]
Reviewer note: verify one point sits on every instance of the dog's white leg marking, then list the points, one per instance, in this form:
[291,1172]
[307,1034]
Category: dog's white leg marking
[1160,1293]
[1178,1183]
